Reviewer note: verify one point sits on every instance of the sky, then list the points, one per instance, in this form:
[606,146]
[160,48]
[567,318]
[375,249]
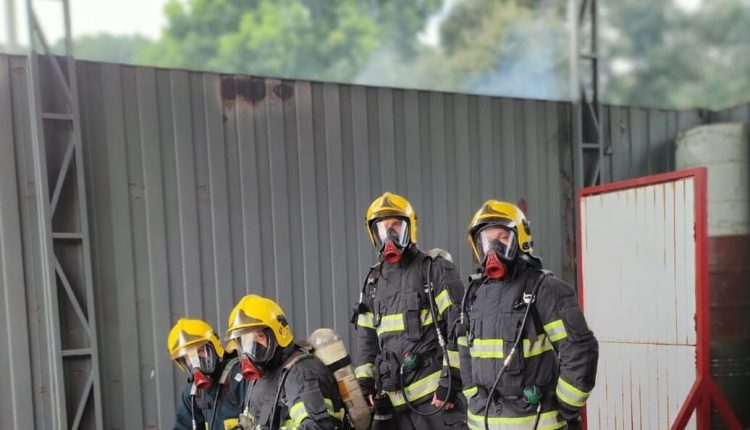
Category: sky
[125,17]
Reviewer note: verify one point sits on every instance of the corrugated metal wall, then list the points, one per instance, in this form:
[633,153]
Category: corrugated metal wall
[203,187]
[640,142]
[739,113]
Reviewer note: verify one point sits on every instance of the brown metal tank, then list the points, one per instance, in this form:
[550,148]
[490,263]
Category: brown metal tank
[724,149]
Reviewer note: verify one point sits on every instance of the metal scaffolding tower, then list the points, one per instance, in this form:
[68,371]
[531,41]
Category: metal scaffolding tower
[588,138]
[70,353]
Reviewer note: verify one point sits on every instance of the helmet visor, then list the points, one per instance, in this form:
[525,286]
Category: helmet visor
[258,343]
[201,357]
[500,238]
[393,228]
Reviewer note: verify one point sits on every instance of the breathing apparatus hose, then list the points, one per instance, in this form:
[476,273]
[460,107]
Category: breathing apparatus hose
[441,342]
[216,407]
[192,411]
[513,351]
[277,399]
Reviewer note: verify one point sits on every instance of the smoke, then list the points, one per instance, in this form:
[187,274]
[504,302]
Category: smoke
[529,59]
[534,65]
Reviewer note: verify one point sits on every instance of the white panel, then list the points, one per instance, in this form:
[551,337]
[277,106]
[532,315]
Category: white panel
[638,254]
[640,386]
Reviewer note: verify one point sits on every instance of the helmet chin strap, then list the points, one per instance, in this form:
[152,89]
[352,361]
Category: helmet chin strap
[494,268]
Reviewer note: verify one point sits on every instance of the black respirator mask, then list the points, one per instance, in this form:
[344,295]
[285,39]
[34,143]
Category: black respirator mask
[498,248]
[254,356]
[391,238]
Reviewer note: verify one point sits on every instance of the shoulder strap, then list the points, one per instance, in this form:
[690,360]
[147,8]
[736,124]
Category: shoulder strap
[373,275]
[532,295]
[227,372]
[302,356]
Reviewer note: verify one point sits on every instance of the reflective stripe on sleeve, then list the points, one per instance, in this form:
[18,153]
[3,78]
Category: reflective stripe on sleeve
[454,359]
[570,394]
[469,392]
[443,301]
[298,413]
[366,320]
[366,370]
[555,330]
[461,340]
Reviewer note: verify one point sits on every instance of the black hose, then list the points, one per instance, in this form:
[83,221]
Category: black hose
[277,399]
[506,362]
[441,342]
[216,406]
[512,353]
[192,411]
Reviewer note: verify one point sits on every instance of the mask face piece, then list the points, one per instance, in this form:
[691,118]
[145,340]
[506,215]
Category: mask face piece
[391,253]
[391,237]
[249,370]
[199,361]
[258,344]
[497,247]
[494,268]
[200,380]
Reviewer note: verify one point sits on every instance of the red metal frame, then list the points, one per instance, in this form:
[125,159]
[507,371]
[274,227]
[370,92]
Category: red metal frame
[704,392]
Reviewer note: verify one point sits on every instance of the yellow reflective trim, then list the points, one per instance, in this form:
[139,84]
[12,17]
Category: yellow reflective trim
[298,412]
[541,346]
[547,421]
[570,394]
[470,392]
[462,341]
[366,320]
[391,323]
[421,388]
[443,301]
[231,423]
[454,359]
[426,317]
[366,370]
[555,330]
[486,348]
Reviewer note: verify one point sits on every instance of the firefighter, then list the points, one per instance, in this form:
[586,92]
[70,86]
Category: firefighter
[407,358]
[289,386]
[212,397]
[528,359]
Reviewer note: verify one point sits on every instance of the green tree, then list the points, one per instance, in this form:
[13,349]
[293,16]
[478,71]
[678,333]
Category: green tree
[659,55]
[290,38]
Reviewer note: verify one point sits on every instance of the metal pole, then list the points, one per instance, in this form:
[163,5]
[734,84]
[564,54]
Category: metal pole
[575,96]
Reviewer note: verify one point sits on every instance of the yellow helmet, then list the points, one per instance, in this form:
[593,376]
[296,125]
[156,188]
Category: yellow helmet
[494,212]
[390,205]
[188,332]
[256,311]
